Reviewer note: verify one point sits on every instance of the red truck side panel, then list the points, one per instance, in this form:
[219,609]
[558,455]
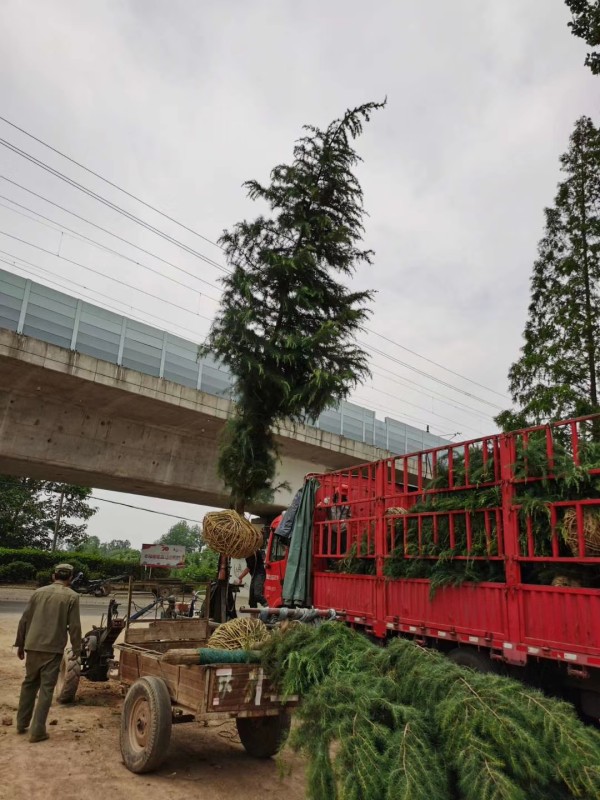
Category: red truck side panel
[472,609]
[366,513]
[566,619]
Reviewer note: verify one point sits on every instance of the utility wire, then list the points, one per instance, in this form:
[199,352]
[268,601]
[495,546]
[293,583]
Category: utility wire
[414,405]
[12,255]
[60,228]
[427,375]
[113,502]
[110,233]
[97,272]
[141,508]
[129,308]
[386,410]
[435,363]
[225,269]
[407,383]
[183,226]
[403,415]
[108,182]
[113,206]
[133,218]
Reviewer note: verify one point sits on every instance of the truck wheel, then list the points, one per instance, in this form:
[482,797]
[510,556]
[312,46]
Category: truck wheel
[262,737]
[146,723]
[474,659]
[68,680]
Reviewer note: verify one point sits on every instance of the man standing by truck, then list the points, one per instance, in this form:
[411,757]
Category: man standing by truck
[255,566]
[52,612]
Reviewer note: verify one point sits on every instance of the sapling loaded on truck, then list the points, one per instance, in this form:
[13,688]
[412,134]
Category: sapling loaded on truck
[488,550]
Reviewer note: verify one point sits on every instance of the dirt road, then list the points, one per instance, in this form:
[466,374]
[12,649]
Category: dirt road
[82,760]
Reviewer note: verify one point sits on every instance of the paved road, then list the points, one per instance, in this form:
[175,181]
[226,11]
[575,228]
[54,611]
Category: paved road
[15,600]
[88,609]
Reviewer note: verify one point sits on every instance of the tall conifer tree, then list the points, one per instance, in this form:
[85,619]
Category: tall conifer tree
[557,374]
[586,25]
[286,324]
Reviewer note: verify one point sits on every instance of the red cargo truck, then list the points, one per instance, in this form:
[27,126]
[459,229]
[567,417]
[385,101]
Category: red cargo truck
[488,550]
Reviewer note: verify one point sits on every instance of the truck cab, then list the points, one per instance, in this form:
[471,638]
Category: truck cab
[275,564]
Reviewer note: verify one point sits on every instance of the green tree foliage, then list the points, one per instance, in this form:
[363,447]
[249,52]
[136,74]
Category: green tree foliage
[117,548]
[28,512]
[557,373]
[199,566]
[586,25]
[183,534]
[402,722]
[286,324]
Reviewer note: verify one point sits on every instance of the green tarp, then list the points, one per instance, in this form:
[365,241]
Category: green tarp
[296,585]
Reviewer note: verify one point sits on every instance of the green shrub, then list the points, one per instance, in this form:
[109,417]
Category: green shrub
[17,571]
[46,560]
[43,577]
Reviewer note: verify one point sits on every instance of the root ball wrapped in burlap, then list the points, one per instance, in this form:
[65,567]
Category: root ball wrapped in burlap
[591,531]
[243,633]
[230,534]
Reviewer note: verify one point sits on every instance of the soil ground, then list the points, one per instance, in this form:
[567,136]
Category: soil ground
[82,759]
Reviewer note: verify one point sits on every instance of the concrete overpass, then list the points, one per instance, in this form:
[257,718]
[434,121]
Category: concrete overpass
[71,417]
[93,397]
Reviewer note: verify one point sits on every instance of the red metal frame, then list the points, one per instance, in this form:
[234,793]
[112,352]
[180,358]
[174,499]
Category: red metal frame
[359,510]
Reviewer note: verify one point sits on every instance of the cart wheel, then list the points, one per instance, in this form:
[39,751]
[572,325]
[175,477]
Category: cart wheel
[262,737]
[68,680]
[146,725]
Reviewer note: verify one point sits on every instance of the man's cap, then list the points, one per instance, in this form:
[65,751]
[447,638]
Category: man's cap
[63,568]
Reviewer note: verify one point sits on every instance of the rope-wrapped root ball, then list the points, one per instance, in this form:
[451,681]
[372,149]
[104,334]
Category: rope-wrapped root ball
[243,633]
[591,531]
[230,534]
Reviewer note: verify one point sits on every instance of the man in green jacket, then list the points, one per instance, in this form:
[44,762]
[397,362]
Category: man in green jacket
[52,612]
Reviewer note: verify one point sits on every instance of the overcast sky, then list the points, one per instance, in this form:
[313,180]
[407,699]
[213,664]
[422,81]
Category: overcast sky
[180,102]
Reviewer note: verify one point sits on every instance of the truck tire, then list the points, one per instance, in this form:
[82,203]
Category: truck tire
[263,737]
[474,659]
[68,680]
[146,722]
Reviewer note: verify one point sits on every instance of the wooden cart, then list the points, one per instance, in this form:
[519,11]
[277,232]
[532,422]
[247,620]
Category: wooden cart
[160,695]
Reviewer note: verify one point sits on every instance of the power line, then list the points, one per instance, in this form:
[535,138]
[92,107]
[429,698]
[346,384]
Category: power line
[224,269]
[369,403]
[400,416]
[96,272]
[109,233]
[421,408]
[151,270]
[130,308]
[116,503]
[58,226]
[113,206]
[141,508]
[407,383]
[427,375]
[110,183]
[75,184]
[435,363]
